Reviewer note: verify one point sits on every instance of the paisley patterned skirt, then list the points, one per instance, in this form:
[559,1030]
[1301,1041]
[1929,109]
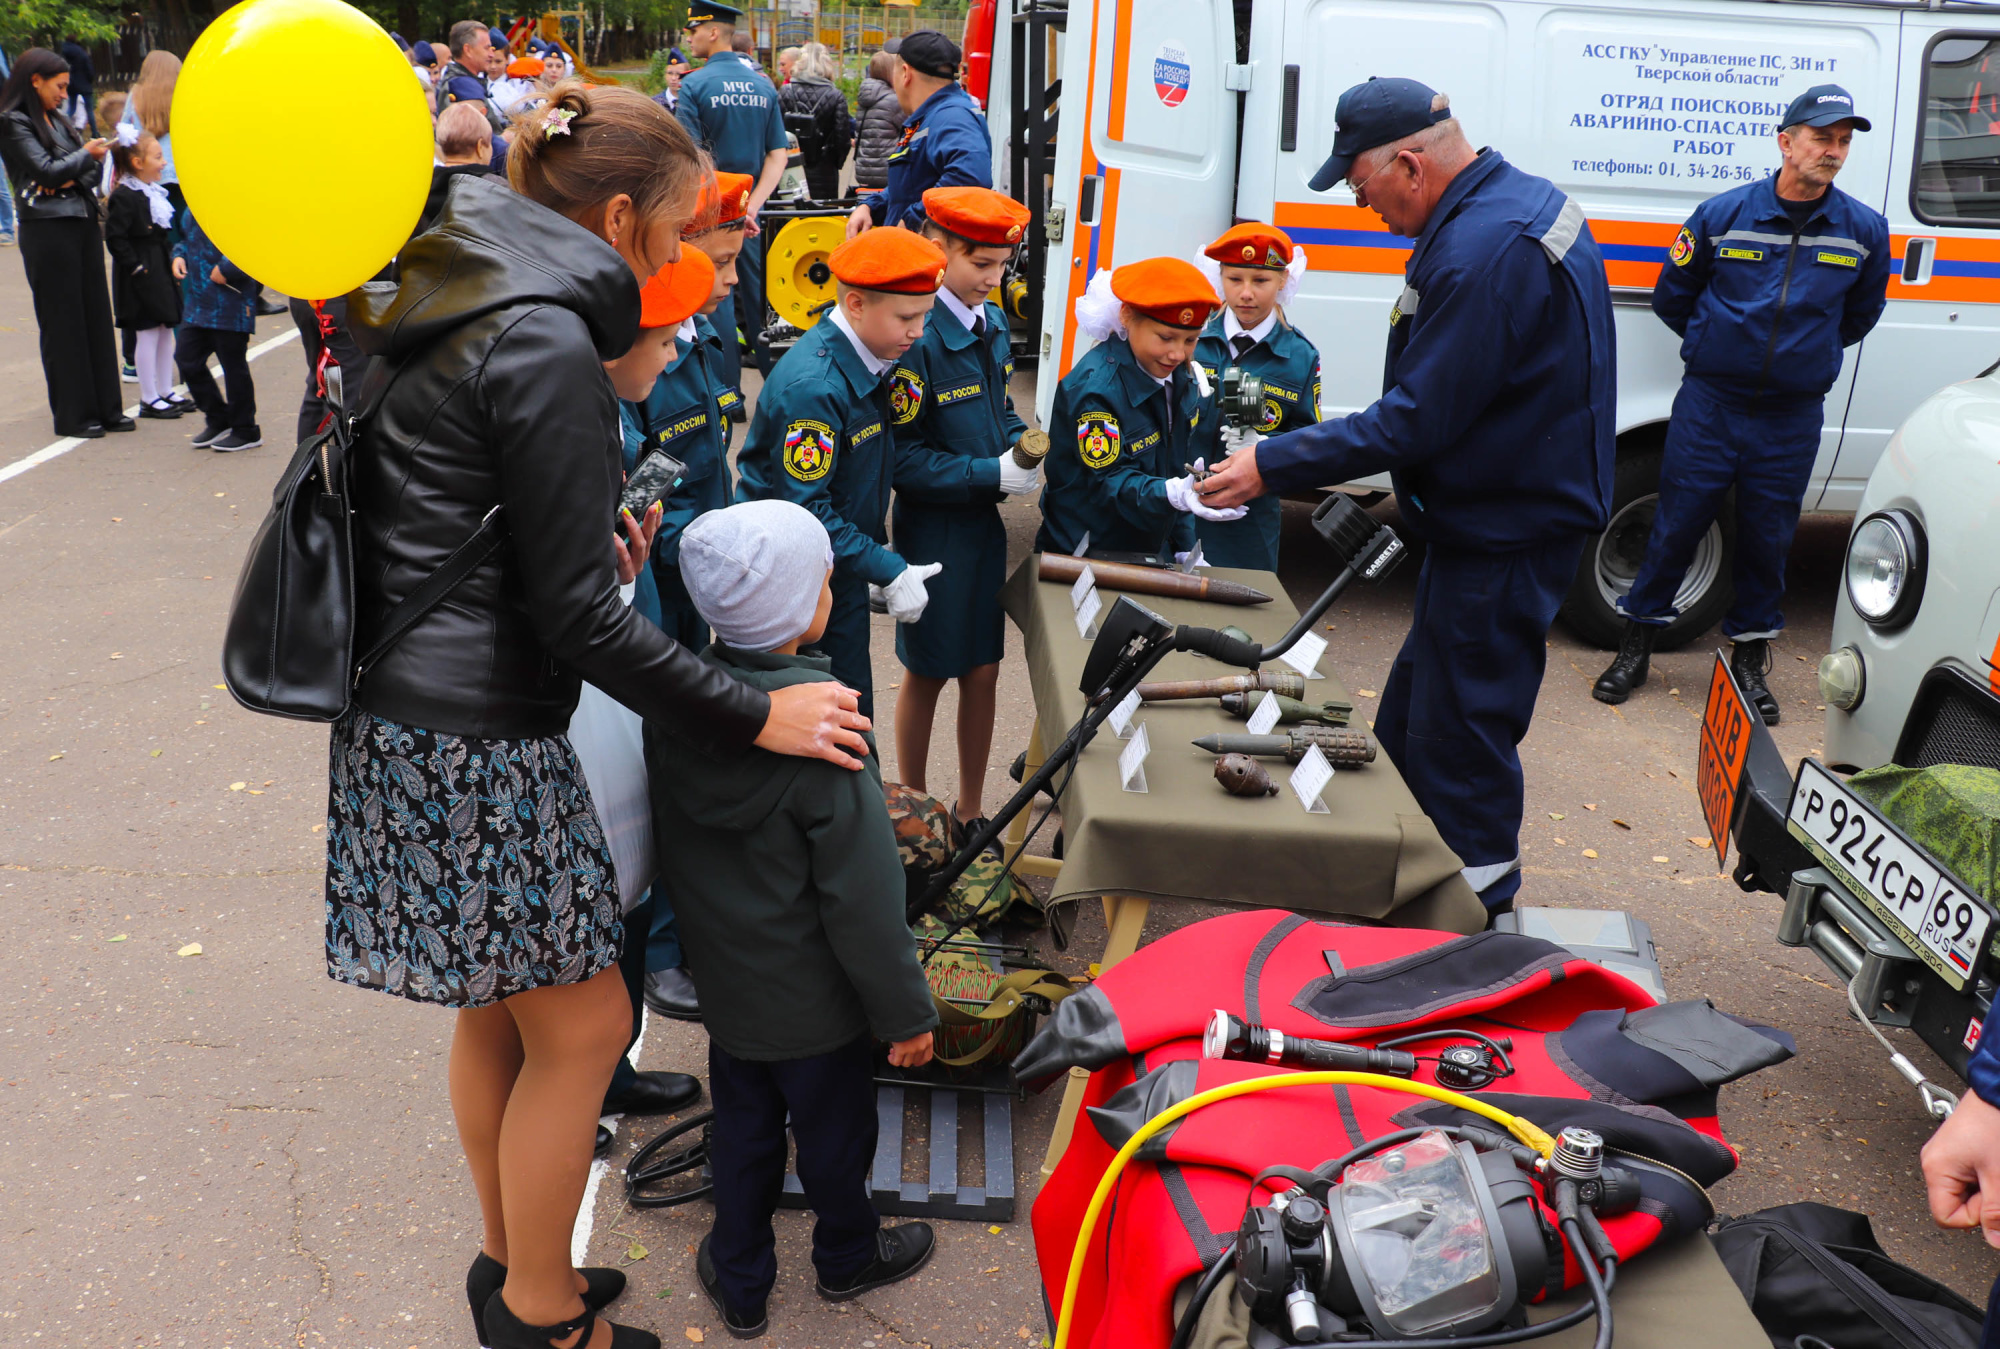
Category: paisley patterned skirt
[462,871]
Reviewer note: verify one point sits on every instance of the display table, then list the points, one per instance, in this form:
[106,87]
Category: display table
[1667,1298]
[1374,855]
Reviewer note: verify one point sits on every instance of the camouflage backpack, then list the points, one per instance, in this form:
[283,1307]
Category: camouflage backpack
[927,838]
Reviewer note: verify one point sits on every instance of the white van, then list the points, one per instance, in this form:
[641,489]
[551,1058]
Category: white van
[1173,119]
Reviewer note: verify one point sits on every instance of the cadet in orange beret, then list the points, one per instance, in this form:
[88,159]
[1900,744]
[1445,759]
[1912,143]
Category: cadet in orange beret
[820,436]
[954,423]
[1136,409]
[718,230]
[1256,267]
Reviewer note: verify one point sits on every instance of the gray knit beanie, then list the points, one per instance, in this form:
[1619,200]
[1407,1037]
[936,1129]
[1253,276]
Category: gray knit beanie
[754,571]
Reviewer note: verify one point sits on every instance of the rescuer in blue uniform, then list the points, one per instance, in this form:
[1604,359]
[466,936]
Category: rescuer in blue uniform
[1127,418]
[1766,285]
[944,141]
[1496,423]
[954,423]
[730,108]
[1256,271]
[822,437]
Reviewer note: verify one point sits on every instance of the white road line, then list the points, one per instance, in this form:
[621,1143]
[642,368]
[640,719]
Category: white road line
[68,443]
[586,1212]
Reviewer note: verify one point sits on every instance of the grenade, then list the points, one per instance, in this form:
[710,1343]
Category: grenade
[1241,775]
[1290,710]
[1342,747]
[1031,448]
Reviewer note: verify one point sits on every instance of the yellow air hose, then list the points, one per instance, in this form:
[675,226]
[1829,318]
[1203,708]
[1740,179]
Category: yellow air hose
[1525,1130]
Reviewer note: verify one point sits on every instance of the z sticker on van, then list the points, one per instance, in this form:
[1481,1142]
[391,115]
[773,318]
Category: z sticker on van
[1735,254]
[1172,74]
[1097,439]
[1683,250]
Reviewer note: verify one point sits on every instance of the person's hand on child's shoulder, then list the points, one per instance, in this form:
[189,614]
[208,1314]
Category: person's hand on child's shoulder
[180,269]
[914,1052]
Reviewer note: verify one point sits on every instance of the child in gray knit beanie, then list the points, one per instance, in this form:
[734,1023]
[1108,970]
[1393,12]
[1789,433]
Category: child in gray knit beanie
[758,573]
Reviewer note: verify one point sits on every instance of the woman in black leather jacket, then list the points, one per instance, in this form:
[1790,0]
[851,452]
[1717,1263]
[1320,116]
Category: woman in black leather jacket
[465,864]
[813,97]
[54,172]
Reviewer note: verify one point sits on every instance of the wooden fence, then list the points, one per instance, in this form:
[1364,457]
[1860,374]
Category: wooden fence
[854,31]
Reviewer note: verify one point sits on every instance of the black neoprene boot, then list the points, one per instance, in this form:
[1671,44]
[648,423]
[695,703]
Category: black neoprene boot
[1628,668]
[1750,662]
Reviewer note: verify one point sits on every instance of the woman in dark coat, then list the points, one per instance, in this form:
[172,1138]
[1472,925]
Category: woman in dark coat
[54,173]
[466,866]
[145,297]
[812,97]
[879,125]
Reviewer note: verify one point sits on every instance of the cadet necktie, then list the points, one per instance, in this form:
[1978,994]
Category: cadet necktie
[1242,343]
[979,325]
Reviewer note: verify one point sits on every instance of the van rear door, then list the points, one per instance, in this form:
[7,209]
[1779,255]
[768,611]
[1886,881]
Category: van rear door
[1942,323]
[1156,173]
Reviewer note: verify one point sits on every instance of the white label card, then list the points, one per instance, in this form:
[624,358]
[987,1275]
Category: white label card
[1266,714]
[1082,545]
[1194,559]
[1121,715]
[1086,615]
[1309,779]
[1132,761]
[1085,583]
[1304,655]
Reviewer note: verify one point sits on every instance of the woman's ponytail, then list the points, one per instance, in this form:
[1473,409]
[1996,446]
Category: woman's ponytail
[588,144]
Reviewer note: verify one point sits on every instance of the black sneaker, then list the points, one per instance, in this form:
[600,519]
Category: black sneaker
[899,1252]
[232,441]
[747,1325]
[209,435]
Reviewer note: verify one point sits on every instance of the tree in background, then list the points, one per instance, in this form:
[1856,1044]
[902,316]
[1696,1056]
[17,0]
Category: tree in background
[44,23]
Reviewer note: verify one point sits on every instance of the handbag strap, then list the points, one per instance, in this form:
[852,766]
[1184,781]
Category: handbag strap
[431,592]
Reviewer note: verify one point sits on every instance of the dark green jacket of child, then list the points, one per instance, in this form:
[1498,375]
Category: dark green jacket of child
[787,887]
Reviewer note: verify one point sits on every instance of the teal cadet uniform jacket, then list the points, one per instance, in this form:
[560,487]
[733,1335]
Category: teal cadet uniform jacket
[685,415]
[953,420]
[1289,366]
[820,437]
[1112,446]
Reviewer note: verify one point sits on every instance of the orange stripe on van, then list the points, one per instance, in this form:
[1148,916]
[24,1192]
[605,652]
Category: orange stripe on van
[1080,235]
[1121,57]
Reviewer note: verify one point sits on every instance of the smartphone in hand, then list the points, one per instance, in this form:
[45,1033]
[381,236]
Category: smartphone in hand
[654,479]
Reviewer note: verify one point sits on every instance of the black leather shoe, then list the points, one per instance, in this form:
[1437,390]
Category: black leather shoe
[899,1252]
[509,1331]
[1750,662]
[268,308]
[654,1094]
[603,1145]
[743,1325]
[670,993]
[121,424]
[88,431]
[1628,669]
[487,1275]
[161,411]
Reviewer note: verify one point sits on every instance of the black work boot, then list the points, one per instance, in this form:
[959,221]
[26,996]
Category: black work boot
[1750,662]
[1628,668]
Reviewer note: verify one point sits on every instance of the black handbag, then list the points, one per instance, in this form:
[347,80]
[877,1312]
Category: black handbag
[1816,1276]
[289,647]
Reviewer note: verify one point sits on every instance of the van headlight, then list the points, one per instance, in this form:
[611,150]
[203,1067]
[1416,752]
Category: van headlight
[1885,568]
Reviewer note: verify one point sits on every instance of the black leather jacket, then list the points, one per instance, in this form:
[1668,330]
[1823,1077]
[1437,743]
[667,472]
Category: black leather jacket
[38,175]
[497,334]
[832,130]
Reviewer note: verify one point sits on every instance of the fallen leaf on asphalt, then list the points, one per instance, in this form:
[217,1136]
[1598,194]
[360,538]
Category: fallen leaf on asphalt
[255,792]
[118,655]
[54,757]
[1620,823]
[1699,842]
[216,686]
[120,937]
[1555,815]
[1024,1334]
[635,1253]
[1589,806]
[1559,843]
[193,948]
[1662,859]
[1673,693]
[155,754]
[1365,693]
[218,494]
[994,1270]
[119,520]
[694,1333]
[316,828]
[994,1230]
[1590,852]
[238,786]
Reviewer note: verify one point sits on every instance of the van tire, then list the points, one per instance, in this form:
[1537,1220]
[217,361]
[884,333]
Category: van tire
[1611,561]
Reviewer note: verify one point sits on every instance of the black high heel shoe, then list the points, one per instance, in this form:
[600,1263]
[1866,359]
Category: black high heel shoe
[511,1332]
[484,1279]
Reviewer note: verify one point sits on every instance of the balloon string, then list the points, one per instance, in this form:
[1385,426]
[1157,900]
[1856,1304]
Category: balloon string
[325,354]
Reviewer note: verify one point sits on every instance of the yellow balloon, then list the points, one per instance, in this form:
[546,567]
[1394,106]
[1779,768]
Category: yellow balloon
[303,143]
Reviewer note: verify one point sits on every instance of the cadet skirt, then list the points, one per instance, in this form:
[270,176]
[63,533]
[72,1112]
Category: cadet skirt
[463,871]
[963,626]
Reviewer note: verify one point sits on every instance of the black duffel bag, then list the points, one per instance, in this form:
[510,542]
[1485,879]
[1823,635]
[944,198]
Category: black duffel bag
[1815,1276]
[289,647]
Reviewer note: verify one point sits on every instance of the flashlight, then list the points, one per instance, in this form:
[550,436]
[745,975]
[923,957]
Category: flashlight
[1229,1037]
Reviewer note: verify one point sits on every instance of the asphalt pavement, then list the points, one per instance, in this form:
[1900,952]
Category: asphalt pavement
[210,1143]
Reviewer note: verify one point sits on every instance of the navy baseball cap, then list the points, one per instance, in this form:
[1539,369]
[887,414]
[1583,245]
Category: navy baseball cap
[1823,105]
[1374,114]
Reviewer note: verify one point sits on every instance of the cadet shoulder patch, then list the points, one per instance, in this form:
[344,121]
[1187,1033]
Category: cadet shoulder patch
[1097,439]
[808,450]
[1274,413]
[1683,250]
[1315,398]
[906,395]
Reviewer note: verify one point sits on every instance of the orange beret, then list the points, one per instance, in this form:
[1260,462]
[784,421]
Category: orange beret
[725,199]
[890,259]
[1252,244]
[677,291]
[977,213]
[525,67]
[1167,290]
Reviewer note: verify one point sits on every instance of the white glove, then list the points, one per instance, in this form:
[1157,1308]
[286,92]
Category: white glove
[1236,438]
[1017,481]
[878,599]
[1200,373]
[906,595]
[1182,497]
